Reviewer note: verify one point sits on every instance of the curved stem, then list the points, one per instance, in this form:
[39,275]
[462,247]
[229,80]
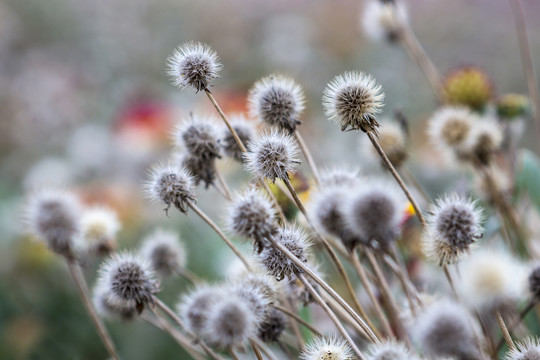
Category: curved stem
[298,319]
[522,315]
[189,276]
[256,349]
[308,156]
[82,287]
[506,334]
[224,186]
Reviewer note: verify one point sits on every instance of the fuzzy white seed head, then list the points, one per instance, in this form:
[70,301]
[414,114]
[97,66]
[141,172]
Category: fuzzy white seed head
[384,20]
[129,280]
[99,226]
[245,130]
[171,185]
[277,101]
[449,128]
[254,297]
[193,64]
[485,138]
[341,176]
[54,216]
[195,306]
[108,308]
[352,100]
[323,348]
[272,156]
[266,284]
[272,326]
[165,252]
[199,137]
[453,225]
[529,349]
[390,350]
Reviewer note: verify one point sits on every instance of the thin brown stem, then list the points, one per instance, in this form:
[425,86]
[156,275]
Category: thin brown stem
[225,120]
[396,176]
[506,334]
[221,234]
[233,354]
[450,281]
[82,287]
[189,276]
[256,350]
[266,351]
[294,324]
[309,157]
[225,188]
[298,319]
[332,316]
[513,325]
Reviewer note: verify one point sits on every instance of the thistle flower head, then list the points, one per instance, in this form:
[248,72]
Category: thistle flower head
[254,297]
[264,284]
[277,101]
[105,307]
[129,280]
[340,176]
[390,350]
[323,348]
[483,141]
[272,326]
[230,323]
[384,20]
[193,64]
[194,307]
[525,350]
[201,170]
[453,225]
[449,127]
[99,226]
[277,263]
[446,329]
[251,215]
[271,155]
[374,213]
[164,251]
[469,86]
[198,135]
[53,216]
[352,100]
[534,282]
[244,129]
[393,141]
[171,185]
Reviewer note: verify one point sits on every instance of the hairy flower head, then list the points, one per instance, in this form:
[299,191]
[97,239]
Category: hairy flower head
[171,185]
[529,349]
[194,307]
[99,226]
[341,176]
[469,86]
[327,348]
[484,140]
[449,127]
[198,135]
[390,350]
[384,20]
[245,130]
[108,308]
[164,251]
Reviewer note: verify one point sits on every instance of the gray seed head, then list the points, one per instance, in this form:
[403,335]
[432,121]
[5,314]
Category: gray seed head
[199,137]
[108,308]
[390,350]
[341,176]
[534,283]
[273,325]
[525,350]
[171,185]
[245,131]
[164,251]
[202,170]
[195,306]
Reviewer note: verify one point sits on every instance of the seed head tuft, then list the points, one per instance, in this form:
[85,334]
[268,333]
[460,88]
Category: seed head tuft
[484,140]
[323,348]
[99,226]
[525,350]
[164,251]
[272,326]
[199,137]
[194,307]
[449,127]
[172,185]
[384,20]
[390,350]
[341,176]
[244,129]
[107,308]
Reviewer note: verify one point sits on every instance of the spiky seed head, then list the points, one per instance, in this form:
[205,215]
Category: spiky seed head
[230,323]
[251,216]
[53,216]
[129,280]
[384,20]
[264,283]
[327,348]
[277,263]
[171,185]
[393,141]
[272,326]
[193,64]
[512,106]
[529,349]
[390,350]
[272,155]
[484,140]
[374,213]
[453,225]
[195,306]
[253,296]
[99,226]
[107,308]
[340,176]
[244,129]
[277,101]
[199,137]
[201,170]
[165,252]
[447,329]
[534,282]
[469,86]
[352,100]
[449,127]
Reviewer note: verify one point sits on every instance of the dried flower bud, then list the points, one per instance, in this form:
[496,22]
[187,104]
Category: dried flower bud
[245,131]
[277,263]
[193,64]
[194,307]
[341,176]
[277,101]
[352,100]
[272,155]
[390,350]
[129,280]
[107,308]
[254,297]
[525,350]
[485,138]
[202,170]
[164,251]
[449,127]
[323,348]
[199,137]
[171,185]
[272,326]
[53,216]
[469,86]
[266,284]
[99,226]
[512,106]
[453,225]
[384,20]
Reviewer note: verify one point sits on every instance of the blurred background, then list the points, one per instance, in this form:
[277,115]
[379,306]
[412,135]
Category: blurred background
[85,102]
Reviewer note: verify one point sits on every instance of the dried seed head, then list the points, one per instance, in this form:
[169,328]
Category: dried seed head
[245,131]
[272,326]
[484,140]
[453,225]
[272,155]
[172,185]
[99,226]
[165,252]
[107,308]
[374,213]
[323,348]
[534,282]
[341,176]
[447,329]
[251,216]
[256,299]
[53,216]
[277,263]
[277,101]
[195,306]
[352,100]
[230,323]
[193,64]
[129,280]
[393,141]
[469,86]
[449,127]
[384,20]
[201,170]
[390,350]
[525,350]
[199,137]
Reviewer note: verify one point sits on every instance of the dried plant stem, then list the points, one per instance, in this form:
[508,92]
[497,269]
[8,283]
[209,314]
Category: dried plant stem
[224,186]
[409,177]
[233,354]
[256,350]
[506,334]
[221,234]
[408,288]
[367,286]
[333,257]
[298,319]
[342,314]
[332,316]
[450,281]
[82,287]
[266,351]
[294,324]
[396,176]
[527,60]
[309,157]
[274,200]
[189,276]
[513,325]
[220,190]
